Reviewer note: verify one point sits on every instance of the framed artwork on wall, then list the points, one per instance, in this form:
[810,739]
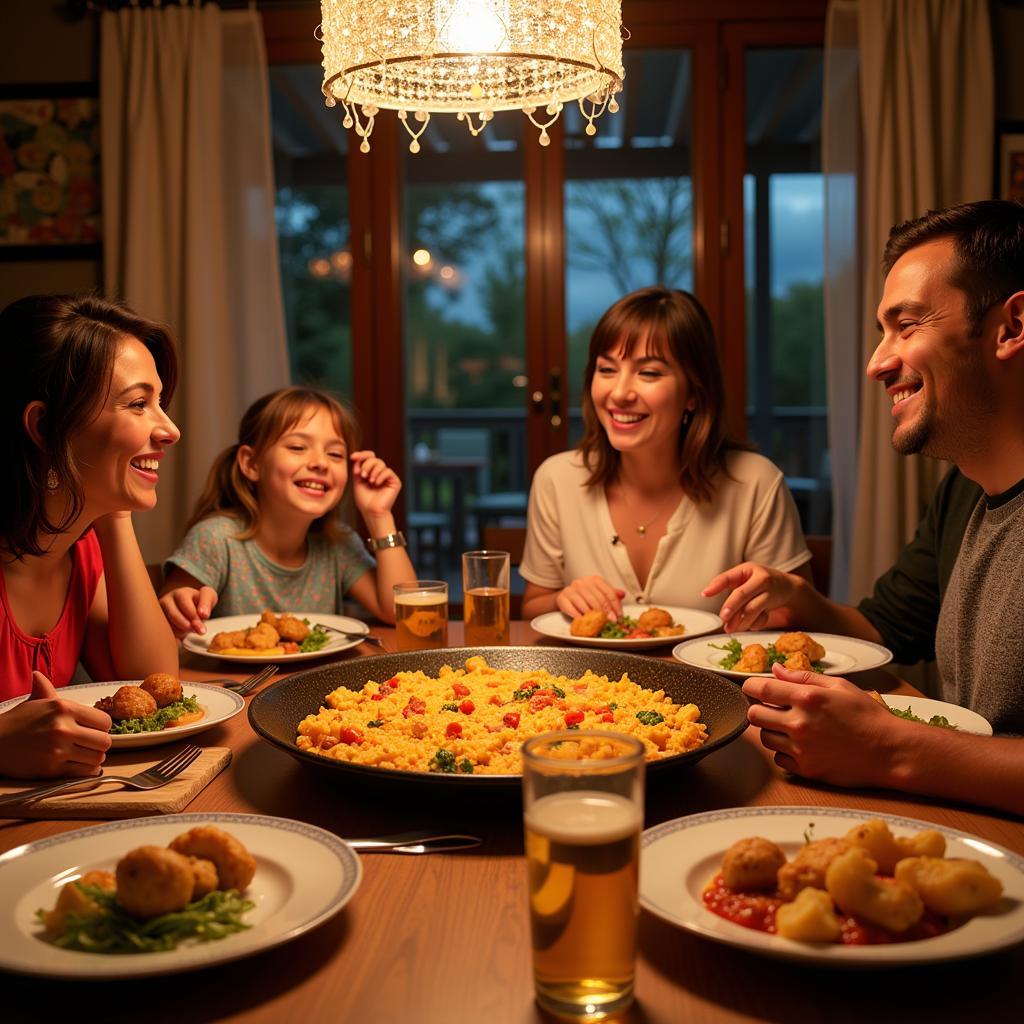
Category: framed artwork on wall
[49,171]
[1010,160]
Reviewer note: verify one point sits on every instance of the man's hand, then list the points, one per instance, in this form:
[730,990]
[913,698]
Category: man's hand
[754,591]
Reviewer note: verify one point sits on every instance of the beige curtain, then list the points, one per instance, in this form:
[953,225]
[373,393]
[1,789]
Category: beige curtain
[188,205]
[927,97]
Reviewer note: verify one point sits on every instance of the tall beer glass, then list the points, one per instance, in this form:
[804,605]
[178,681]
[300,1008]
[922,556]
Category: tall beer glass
[583,813]
[485,595]
[421,615]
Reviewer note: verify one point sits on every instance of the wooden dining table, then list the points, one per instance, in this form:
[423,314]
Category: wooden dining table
[444,938]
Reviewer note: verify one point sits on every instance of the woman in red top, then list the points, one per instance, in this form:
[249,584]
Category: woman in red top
[83,384]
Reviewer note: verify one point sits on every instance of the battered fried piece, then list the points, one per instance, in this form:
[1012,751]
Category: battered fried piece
[669,630]
[153,881]
[235,864]
[651,619]
[807,869]
[811,917]
[886,850]
[204,876]
[753,658]
[589,623]
[269,618]
[789,643]
[127,702]
[72,900]
[954,887]
[856,889]
[752,864]
[222,641]
[292,629]
[162,687]
[798,660]
[260,637]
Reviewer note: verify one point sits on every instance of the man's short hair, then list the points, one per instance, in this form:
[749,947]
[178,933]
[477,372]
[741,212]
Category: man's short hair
[988,247]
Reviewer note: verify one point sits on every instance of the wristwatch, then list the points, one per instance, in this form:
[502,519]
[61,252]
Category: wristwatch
[389,540]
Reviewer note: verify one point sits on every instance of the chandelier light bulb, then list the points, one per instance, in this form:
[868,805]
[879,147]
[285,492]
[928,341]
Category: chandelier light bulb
[470,58]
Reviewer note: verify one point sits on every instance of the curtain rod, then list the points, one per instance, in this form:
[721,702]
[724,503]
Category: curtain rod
[74,10]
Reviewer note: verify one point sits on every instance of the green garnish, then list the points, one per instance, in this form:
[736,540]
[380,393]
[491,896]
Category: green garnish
[443,761]
[375,724]
[650,717]
[449,707]
[159,719]
[524,694]
[612,706]
[618,629]
[215,916]
[466,766]
[939,721]
[314,642]
[558,692]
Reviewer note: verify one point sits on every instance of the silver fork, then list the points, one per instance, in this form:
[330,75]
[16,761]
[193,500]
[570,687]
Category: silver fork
[250,684]
[366,638]
[152,778]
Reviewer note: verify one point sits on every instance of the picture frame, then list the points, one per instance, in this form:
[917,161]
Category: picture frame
[49,171]
[1010,160]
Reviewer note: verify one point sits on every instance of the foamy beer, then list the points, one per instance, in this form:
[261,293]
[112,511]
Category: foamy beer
[421,615]
[583,814]
[485,597]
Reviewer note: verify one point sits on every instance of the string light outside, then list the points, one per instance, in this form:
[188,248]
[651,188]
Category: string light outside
[471,58]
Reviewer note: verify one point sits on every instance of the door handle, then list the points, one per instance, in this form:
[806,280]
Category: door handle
[555,396]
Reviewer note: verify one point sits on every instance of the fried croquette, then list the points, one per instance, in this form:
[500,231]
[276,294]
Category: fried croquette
[261,637]
[852,883]
[162,687]
[292,629]
[955,887]
[589,623]
[127,702]
[204,876]
[152,881]
[790,643]
[222,641]
[887,850]
[270,618]
[669,630]
[807,869]
[753,658]
[72,900]
[752,864]
[811,917]
[235,865]
[797,661]
[653,618]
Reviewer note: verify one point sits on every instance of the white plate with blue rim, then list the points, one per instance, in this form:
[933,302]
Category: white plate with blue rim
[233,623]
[217,703]
[679,858]
[304,875]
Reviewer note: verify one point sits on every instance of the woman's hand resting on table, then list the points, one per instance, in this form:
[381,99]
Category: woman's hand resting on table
[823,727]
[590,592]
[45,736]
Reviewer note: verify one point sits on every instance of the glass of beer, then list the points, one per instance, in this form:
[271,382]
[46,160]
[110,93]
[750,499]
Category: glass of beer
[421,615]
[583,796]
[485,577]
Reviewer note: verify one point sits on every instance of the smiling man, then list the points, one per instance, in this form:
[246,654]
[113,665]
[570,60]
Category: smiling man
[951,358]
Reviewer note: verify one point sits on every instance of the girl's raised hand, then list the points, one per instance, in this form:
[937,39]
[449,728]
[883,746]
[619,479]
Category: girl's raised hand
[186,609]
[375,486]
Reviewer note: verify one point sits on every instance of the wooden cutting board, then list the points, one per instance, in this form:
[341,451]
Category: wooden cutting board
[117,801]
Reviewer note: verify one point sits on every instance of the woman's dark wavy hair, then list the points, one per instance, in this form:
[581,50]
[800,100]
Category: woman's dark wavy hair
[988,248]
[59,350]
[229,492]
[675,323]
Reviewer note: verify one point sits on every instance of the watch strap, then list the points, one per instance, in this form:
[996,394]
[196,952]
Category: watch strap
[389,540]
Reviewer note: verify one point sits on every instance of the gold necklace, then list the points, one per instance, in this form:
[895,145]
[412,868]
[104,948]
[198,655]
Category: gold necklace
[641,528]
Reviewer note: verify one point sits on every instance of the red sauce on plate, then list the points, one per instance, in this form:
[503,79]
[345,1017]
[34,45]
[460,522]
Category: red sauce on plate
[757,911]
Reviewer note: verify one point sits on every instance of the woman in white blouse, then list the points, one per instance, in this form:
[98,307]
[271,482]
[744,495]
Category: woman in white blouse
[656,499]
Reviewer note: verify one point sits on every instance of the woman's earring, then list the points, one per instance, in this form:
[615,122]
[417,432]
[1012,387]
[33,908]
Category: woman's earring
[52,480]
[687,416]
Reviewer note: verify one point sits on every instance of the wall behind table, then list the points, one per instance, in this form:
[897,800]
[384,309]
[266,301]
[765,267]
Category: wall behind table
[38,45]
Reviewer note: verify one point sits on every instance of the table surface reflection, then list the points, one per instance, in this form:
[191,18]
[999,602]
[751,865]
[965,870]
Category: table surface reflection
[445,938]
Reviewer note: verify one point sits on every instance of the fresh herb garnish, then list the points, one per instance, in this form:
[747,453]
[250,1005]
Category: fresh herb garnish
[443,761]
[375,724]
[558,692]
[466,766]
[159,719]
[650,717]
[735,652]
[939,721]
[618,629]
[449,707]
[315,641]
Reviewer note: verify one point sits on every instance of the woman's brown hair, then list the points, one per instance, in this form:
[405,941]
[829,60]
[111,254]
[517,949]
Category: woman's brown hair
[674,322]
[59,350]
[229,492]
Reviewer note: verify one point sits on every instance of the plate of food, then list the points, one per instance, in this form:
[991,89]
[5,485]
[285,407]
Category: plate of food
[74,904]
[752,654]
[935,712]
[640,626]
[289,636]
[459,716]
[158,709]
[833,886]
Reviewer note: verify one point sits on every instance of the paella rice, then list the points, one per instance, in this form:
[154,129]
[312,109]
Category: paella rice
[475,719]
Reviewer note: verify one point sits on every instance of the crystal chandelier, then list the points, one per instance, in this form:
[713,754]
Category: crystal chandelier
[470,58]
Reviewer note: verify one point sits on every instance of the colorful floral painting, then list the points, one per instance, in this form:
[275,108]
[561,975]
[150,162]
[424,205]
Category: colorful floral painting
[49,172]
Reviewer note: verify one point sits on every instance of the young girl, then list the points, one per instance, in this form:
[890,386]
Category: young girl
[82,433]
[656,499]
[263,535]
